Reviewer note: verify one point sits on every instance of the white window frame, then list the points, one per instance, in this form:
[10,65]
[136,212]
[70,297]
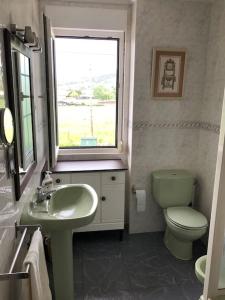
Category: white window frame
[83,153]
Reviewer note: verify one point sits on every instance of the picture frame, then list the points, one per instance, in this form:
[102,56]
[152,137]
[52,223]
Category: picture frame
[168,70]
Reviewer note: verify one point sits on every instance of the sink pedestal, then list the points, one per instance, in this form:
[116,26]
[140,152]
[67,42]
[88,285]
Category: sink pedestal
[71,206]
[62,262]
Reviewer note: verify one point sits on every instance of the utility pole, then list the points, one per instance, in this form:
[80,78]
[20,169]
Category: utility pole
[91,105]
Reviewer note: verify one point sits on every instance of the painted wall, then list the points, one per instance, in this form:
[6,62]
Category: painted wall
[211,106]
[83,17]
[22,13]
[166,133]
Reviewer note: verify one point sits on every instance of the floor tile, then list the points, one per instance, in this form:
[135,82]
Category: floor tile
[105,275]
[137,268]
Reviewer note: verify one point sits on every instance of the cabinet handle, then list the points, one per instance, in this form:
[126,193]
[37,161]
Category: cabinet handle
[103,198]
[113,178]
[58,180]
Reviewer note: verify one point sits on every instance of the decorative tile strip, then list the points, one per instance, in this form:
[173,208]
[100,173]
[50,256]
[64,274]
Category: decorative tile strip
[210,127]
[179,124]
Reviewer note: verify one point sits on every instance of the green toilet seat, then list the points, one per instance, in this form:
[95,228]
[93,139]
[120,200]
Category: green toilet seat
[186,218]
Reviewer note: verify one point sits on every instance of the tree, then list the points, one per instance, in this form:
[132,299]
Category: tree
[103,93]
[74,94]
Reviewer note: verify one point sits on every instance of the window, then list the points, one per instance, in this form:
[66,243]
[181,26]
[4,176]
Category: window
[89,72]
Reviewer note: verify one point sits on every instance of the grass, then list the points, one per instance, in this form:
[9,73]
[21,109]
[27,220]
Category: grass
[75,123]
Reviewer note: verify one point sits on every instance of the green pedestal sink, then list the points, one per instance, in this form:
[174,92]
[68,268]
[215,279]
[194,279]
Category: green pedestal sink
[71,206]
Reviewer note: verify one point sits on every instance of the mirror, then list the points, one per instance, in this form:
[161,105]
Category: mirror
[21,102]
[6,126]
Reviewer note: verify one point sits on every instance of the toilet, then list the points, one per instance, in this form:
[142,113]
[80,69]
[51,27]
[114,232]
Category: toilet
[173,190]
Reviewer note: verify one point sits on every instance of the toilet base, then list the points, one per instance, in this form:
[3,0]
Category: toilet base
[178,248]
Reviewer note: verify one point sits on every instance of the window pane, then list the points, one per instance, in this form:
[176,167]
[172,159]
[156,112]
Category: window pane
[26,112]
[86,72]
[25,84]
[27,133]
[22,63]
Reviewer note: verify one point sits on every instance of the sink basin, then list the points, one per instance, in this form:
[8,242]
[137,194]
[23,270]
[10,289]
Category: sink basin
[71,206]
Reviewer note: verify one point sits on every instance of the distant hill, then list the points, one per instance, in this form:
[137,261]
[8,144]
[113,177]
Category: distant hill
[107,79]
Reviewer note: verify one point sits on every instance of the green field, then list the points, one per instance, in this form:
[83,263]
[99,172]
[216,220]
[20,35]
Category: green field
[75,123]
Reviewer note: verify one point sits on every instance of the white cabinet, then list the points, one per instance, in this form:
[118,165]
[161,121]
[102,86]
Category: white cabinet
[110,188]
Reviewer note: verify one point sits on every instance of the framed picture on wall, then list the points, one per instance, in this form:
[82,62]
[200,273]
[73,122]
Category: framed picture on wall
[168,66]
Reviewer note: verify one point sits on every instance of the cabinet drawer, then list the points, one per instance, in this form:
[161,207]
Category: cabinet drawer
[113,177]
[60,178]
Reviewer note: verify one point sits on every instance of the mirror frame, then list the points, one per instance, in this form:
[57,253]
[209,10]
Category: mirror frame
[13,42]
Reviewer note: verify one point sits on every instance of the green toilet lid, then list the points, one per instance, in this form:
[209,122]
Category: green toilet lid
[186,217]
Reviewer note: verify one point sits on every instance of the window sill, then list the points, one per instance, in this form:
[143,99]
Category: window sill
[90,154]
[89,166]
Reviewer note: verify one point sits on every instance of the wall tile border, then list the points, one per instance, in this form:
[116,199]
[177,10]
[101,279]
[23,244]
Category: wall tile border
[139,125]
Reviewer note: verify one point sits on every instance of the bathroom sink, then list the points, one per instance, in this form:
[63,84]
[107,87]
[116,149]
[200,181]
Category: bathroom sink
[71,206]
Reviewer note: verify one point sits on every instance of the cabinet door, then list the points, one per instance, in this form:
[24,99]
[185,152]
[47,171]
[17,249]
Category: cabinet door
[112,199]
[93,179]
[60,178]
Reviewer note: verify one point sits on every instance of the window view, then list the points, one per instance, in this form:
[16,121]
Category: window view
[86,74]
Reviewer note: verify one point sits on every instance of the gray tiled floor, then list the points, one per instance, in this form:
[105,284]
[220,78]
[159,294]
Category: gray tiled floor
[139,267]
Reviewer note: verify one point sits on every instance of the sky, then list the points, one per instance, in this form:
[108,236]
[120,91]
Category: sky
[77,58]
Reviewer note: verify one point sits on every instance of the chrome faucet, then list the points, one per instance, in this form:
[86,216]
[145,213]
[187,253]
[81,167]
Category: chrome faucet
[42,195]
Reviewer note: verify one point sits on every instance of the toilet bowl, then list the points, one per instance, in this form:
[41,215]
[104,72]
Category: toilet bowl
[184,225]
[173,190]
